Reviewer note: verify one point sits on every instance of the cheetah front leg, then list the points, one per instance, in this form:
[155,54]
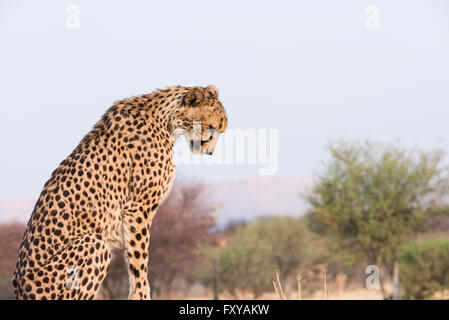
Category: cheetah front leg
[136,230]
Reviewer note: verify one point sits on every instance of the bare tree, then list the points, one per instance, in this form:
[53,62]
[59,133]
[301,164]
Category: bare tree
[182,222]
[10,238]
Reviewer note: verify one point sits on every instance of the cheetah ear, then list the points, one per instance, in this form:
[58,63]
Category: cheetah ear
[194,97]
[213,89]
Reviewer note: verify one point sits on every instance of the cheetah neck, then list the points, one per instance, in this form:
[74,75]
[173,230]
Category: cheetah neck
[160,110]
[165,107]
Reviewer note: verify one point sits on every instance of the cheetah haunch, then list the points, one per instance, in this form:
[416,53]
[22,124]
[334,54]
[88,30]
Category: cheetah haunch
[106,193]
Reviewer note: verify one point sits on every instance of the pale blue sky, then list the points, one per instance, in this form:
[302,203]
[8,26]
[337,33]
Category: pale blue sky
[308,68]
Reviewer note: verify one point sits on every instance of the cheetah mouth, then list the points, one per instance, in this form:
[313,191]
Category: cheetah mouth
[207,140]
[201,142]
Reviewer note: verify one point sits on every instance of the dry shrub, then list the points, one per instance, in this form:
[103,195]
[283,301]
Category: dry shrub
[10,238]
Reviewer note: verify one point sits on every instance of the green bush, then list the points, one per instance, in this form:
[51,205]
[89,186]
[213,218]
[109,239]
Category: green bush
[247,263]
[254,251]
[425,268]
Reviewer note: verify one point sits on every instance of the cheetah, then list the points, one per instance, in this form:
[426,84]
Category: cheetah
[107,191]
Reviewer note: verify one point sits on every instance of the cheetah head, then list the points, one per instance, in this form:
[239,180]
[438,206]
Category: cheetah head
[201,119]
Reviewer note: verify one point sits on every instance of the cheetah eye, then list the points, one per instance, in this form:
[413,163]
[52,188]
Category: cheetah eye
[210,133]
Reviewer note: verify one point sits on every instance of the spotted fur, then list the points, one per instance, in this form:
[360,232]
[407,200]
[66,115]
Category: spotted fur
[107,191]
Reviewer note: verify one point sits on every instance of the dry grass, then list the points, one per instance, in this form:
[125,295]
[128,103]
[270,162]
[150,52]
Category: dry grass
[278,286]
[333,293]
[355,294]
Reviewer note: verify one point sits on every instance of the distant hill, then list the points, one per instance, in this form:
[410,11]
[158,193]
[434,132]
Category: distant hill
[244,199]
[251,198]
